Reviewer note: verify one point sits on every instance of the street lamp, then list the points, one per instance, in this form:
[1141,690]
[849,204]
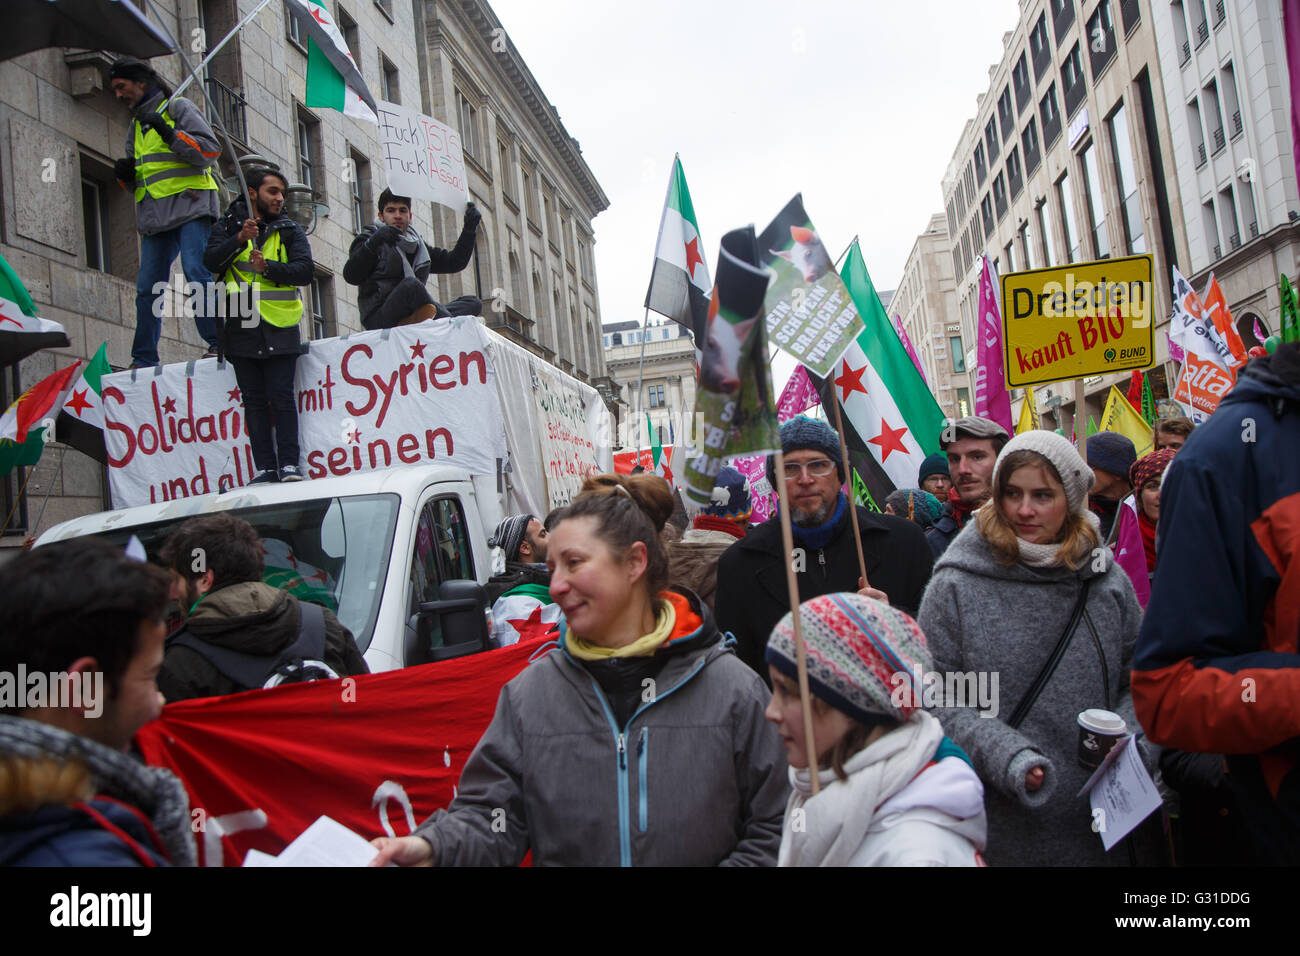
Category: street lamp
[301,206]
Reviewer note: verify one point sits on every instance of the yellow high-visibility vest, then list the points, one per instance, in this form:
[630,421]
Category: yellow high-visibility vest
[281,305]
[158,171]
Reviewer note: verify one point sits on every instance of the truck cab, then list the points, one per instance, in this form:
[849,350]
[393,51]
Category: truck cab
[375,548]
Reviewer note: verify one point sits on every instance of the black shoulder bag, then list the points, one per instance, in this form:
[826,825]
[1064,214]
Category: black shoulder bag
[1049,668]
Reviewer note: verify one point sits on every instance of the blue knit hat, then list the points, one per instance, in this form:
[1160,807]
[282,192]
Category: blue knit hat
[807,433]
[936,464]
[1111,452]
[731,498]
[925,507]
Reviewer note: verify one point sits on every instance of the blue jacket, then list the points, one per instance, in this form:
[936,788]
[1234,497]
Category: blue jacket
[71,835]
[1217,668]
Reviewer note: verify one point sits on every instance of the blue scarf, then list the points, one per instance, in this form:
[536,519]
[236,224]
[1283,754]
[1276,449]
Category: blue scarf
[821,535]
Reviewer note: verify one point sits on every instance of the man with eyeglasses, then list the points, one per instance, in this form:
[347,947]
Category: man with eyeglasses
[752,594]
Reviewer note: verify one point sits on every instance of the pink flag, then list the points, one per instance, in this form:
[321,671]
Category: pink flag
[907,344]
[754,467]
[992,401]
[798,396]
[1176,351]
[1130,553]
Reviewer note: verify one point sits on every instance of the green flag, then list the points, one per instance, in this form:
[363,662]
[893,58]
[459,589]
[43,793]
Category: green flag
[861,495]
[1290,313]
[1148,401]
[1092,428]
[21,454]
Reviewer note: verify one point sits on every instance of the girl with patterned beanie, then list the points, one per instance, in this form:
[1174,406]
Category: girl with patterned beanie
[894,791]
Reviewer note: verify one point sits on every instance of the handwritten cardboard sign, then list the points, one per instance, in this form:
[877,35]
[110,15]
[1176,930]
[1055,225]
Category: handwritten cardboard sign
[422,157]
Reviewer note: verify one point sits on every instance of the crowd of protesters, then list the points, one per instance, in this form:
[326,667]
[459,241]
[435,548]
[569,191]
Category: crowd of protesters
[1001,568]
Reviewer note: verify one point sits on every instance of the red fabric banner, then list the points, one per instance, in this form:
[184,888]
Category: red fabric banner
[378,753]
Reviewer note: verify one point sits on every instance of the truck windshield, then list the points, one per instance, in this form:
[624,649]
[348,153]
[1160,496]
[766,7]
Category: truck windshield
[331,551]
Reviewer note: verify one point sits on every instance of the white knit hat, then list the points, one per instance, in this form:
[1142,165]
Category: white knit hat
[1075,474]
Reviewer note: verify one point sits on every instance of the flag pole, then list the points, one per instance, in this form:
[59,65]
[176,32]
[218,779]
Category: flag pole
[848,474]
[845,252]
[63,450]
[640,379]
[18,498]
[801,653]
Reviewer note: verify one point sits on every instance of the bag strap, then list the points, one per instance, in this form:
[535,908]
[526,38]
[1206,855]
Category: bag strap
[1101,653]
[1049,668]
[250,671]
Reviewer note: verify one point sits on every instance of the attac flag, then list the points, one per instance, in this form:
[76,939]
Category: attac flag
[679,282]
[1119,416]
[1029,420]
[38,403]
[734,394]
[1216,310]
[891,421]
[1191,330]
[378,752]
[333,79]
[22,331]
[1290,312]
[81,420]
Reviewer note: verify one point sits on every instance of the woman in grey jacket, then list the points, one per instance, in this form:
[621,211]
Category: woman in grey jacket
[1000,599]
[640,740]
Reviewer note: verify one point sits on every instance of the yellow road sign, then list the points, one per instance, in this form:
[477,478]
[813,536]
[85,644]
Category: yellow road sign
[1087,318]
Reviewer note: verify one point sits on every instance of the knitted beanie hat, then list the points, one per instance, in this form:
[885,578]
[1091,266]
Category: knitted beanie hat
[731,498]
[936,464]
[802,432]
[865,658]
[1111,452]
[1074,473]
[509,535]
[1149,466]
[924,507]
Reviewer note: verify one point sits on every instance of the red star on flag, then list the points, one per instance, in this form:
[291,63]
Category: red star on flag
[233,395]
[315,15]
[532,626]
[320,576]
[417,350]
[693,255]
[850,380]
[170,405]
[78,401]
[889,439]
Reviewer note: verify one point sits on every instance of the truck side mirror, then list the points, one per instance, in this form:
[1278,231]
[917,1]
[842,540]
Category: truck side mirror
[461,609]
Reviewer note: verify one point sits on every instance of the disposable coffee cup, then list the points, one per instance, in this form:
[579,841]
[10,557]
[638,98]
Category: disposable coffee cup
[1099,731]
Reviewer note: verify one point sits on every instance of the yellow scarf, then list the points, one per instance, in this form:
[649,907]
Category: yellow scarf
[665,621]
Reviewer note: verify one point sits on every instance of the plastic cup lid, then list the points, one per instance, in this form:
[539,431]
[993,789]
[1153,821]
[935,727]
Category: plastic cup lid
[1102,721]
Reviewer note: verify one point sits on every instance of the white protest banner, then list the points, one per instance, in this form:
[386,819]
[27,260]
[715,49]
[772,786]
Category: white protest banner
[422,157]
[570,447]
[411,395]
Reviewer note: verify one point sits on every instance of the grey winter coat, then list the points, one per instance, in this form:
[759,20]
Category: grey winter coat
[697,776]
[159,215]
[992,619]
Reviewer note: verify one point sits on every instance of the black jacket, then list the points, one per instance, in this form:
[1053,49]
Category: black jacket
[377,273]
[752,595]
[262,340]
[252,618]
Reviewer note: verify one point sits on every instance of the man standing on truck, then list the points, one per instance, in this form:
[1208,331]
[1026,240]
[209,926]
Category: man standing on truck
[521,598]
[240,633]
[391,263]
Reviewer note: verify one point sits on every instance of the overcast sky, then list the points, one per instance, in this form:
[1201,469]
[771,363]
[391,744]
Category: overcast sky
[858,105]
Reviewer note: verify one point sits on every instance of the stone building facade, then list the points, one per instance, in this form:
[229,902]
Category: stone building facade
[668,380]
[71,238]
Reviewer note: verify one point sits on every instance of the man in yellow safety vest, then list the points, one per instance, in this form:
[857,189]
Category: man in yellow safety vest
[263,257]
[170,151]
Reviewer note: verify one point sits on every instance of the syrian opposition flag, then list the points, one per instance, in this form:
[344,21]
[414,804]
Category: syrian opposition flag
[679,283]
[890,417]
[22,428]
[22,331]
[81,419]
[333,79]
[659,455]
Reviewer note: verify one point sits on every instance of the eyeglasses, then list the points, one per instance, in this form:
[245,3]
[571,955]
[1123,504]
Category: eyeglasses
[818,469]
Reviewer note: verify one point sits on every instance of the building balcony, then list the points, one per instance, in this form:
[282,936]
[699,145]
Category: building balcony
[1254,229]
[1219,14]
[1234,241]
[1215,256]
[1202,34]
[232,109]
[1187,52]
[1236,124]
[567,366]
[1200,155]
[1219,140]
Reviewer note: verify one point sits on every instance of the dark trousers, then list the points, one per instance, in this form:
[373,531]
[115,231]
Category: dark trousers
[409,295]
[267,389]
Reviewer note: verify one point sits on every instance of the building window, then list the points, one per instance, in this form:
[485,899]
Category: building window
[1020,80]
[468,117]
[392,89]
[1231,104]
[1213,117]
[1130,13]
[1062,17]
[1049,253]
[309,153]
[94,213]
[505,168]
[1000,196]
[1210,224]
[1094,202]
[386,7]
[958,353]
[1126,178]
[1039,51]
[657,396]
[1006,115]
[1029,140]
[1065,195]
[292,29]
[991,138]
[348,27]
[1195,132]
[1027,247]
[359,187]
[1009,251]
[981,172]
[1073,86]
[1015,177]
[1228,215]
[322,306]
[986,209]
[1050,115]
[1101,39]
